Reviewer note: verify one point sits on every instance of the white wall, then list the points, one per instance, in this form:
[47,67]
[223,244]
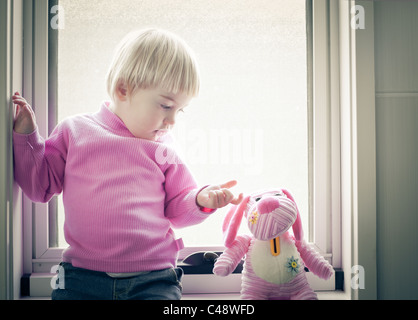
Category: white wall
[16,85]
[4,150]
[10,196]
[396,65]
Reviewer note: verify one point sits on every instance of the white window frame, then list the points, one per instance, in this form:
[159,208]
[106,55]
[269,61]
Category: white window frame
[35,89]
[324,145]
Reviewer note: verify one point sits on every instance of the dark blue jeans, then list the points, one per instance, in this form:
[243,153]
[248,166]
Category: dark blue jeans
[81,284]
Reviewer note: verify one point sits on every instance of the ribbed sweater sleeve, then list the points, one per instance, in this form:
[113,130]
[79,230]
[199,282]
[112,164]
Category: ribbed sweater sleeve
[181,193]
[39,166]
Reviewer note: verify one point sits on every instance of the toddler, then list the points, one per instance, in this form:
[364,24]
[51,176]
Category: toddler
[121,201]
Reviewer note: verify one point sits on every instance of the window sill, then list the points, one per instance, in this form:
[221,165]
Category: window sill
[197,286]
[322,295]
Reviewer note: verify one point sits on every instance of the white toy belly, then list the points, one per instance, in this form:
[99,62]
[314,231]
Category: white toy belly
[275,269]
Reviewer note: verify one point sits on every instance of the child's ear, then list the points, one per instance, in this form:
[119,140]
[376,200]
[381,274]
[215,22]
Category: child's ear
[122,90]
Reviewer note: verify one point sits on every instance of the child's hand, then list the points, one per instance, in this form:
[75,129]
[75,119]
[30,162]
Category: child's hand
[24,122]
[214,197]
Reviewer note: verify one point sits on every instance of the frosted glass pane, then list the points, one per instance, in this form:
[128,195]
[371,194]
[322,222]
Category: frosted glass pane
[249,122]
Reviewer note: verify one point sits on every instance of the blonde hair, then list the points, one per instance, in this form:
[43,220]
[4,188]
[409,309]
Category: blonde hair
[153,58]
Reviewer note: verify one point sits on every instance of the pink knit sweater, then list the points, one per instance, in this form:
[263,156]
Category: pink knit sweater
[121,197]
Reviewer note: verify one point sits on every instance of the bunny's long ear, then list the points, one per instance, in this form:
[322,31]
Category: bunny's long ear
[297,226]
[232,222]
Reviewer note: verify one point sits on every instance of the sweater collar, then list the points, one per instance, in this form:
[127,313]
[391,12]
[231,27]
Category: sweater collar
[107,117]
[112,121]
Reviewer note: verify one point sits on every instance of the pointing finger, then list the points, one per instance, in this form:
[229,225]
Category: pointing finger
[229,184]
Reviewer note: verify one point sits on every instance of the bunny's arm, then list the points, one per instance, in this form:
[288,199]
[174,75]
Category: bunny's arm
[314,261]
[229,260]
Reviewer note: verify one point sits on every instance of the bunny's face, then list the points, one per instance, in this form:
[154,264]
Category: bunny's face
[270,214]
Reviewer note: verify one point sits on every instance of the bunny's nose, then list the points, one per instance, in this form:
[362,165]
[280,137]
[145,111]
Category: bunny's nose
[268,205]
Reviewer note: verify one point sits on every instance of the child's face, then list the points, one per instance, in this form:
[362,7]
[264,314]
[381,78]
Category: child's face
[151,113]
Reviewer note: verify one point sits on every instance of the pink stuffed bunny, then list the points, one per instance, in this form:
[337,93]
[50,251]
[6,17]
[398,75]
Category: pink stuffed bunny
[275,260]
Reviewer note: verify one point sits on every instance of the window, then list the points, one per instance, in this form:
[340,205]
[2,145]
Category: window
[266,87]
[249,122]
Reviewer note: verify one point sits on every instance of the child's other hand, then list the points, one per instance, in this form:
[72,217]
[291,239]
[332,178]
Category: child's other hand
[24,121]
[214,197]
